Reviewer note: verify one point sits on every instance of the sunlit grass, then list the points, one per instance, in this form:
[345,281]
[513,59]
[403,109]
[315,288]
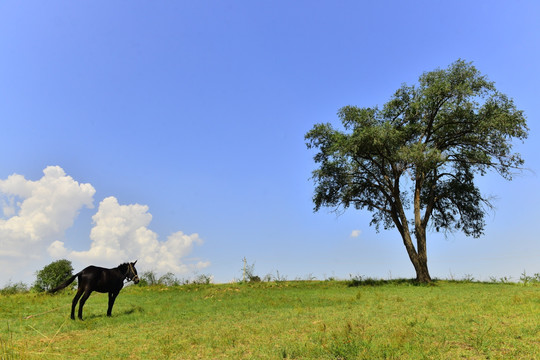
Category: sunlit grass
[303,320]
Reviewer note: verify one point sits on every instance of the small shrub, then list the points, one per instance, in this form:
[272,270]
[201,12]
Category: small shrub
[527,280]
[150,278]
[169,280]
[280,278]
[17,288]
[203,279]
[248,273]
[501,280]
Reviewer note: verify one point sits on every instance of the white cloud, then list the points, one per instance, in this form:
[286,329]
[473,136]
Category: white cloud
[356,233]
[37,211]
[121,234]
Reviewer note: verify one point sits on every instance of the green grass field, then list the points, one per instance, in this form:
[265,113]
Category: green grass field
[284,320]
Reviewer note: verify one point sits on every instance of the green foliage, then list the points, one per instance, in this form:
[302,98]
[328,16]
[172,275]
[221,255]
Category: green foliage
[11,289]
[527,280]
[169,279]
[501,280]
[453,125]
[53,275]
[248,271]
[150,278]
[279,278]
[412,164]
[203,279]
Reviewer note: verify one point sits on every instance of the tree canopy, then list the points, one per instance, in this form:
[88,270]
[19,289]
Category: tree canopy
[412,163]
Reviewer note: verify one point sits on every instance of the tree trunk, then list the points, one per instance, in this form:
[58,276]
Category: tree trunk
[420,264]
[421,268]
[422,272]
[418,256]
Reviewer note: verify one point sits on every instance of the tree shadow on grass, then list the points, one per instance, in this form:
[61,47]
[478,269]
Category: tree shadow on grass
[361,281]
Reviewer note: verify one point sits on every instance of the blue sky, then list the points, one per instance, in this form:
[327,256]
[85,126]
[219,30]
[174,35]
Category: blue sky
[173,132]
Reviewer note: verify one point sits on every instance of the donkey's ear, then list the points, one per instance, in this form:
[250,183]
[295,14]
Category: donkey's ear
[135,262]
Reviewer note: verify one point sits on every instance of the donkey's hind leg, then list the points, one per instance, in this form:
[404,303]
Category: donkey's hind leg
[83,300]
[75,300]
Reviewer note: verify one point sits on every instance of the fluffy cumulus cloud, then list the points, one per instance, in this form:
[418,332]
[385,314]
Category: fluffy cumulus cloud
[36,215]
[37,211]
[121,233]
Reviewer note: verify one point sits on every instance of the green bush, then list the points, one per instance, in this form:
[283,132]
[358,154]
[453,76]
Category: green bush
[17,288]
[150,278]
[53,275]
[203,279]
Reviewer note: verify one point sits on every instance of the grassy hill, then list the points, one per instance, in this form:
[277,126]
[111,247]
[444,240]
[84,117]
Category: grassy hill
[284,320]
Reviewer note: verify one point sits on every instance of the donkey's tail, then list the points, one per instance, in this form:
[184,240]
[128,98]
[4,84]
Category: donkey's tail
[64,284]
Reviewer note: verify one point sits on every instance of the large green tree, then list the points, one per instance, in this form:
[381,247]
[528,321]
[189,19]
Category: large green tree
[412,164]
